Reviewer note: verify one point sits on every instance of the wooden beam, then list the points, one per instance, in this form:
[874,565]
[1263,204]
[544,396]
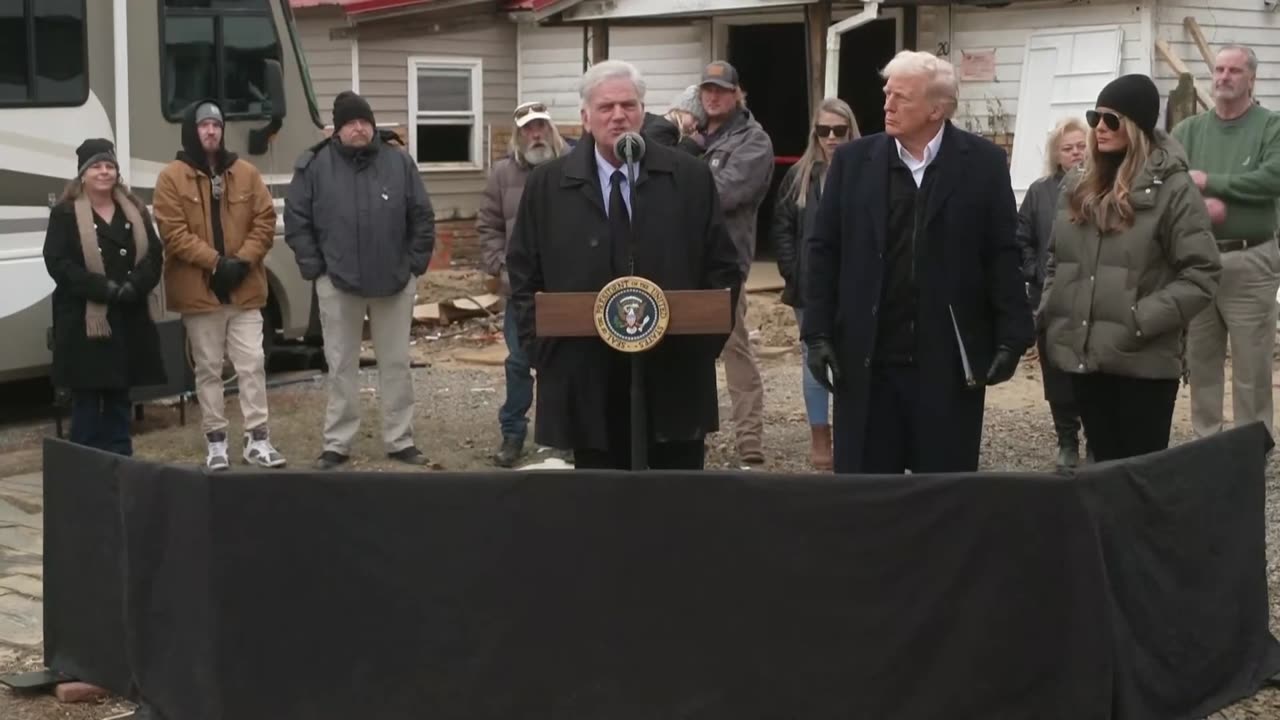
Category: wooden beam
[1175,62]
[599,41]
[1193,28]
[817,18]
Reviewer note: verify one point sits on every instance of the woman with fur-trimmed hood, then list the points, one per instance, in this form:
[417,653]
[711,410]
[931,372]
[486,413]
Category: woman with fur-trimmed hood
[105,259]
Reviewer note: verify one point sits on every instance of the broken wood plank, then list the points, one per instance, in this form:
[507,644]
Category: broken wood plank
[428,313]
[1193,28]
[1175,62]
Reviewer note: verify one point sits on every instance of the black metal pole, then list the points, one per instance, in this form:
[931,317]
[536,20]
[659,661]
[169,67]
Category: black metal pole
[639,430]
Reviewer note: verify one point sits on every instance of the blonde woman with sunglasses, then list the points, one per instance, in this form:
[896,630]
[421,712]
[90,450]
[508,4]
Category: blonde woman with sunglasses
[794,217]
[1132,261]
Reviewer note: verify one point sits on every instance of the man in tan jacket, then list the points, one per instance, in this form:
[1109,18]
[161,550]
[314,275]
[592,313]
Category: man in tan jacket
[217,221]
[534,141]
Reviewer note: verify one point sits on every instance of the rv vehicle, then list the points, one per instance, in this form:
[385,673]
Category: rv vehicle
[126,70]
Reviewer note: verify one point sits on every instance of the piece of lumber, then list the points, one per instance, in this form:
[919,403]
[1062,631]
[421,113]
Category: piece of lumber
[1175,62]
[1193,29]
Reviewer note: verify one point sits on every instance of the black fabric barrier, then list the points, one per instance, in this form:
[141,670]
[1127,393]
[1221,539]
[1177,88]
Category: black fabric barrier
[1130,590]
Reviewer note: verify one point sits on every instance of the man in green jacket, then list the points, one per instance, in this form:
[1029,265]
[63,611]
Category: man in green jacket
[1234,153]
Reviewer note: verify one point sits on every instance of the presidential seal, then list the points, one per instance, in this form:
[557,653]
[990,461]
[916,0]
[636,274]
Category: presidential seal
[631,314]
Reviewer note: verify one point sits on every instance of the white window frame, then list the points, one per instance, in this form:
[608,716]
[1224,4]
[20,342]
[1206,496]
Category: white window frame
[476,66]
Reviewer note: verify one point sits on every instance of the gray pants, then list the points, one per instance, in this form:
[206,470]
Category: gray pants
[1243,311]
[342,320]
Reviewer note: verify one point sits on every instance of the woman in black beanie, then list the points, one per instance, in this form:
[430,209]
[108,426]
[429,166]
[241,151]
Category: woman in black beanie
[103,254]
[1132,260]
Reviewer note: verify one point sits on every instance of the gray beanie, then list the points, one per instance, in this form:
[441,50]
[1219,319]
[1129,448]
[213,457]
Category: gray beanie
[689,101]
[208,111]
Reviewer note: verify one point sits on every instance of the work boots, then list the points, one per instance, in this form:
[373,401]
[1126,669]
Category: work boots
[820,447]
[1068,454]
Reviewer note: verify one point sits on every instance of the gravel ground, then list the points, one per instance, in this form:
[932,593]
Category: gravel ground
[457,428]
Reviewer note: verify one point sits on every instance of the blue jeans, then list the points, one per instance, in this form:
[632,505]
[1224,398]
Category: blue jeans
[513,416]
[100,419]
[816,397]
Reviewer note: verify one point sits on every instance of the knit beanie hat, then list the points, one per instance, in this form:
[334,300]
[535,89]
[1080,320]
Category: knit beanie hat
[1135,97]
[208,111]
[93,151]
[349,106]
[690,101]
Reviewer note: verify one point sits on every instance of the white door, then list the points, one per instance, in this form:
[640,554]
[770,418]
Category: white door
[1062,73]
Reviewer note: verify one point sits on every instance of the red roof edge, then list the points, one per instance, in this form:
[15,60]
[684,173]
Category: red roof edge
[367,6]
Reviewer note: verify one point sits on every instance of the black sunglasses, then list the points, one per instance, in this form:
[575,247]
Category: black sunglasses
[827,130]
[1110,119]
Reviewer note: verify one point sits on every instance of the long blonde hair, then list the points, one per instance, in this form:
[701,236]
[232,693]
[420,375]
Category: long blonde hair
[1102,195]
[1059,131]
[798,189]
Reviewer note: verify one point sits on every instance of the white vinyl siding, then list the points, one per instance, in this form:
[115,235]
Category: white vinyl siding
[329,60]
[992,107]
[670,58]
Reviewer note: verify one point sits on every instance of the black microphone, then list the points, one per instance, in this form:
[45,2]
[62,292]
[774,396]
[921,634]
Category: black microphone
[629,148]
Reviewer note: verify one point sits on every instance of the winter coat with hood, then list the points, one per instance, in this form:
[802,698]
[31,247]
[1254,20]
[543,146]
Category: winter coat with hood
[496,217]
[198,229]
[1118,303]
[360,216]
[740,154]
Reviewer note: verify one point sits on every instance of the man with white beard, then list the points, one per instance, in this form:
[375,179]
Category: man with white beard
[534,141]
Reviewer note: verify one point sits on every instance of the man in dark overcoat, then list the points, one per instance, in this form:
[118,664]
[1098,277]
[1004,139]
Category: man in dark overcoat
[914,297]
[571,236]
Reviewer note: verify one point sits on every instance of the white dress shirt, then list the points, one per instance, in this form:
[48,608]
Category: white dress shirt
[917,167]
[605,170]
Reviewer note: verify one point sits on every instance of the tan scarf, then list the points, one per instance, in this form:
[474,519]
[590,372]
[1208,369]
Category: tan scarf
[95,314]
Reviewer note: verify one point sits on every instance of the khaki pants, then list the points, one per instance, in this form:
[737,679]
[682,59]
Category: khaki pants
[746,389]
[342,321]
[1243,311]
[237,334]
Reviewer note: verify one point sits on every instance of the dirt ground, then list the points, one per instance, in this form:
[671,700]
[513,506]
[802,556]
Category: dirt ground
[460,386]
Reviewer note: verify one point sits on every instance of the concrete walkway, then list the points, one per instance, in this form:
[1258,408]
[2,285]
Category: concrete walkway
[21,560]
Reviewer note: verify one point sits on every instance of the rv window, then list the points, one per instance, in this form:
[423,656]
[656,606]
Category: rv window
[216,48]
[446,98]
[42,54]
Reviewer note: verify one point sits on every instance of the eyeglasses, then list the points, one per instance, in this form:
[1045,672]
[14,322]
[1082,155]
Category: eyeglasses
[828,130]
[1110,119]
[523,110]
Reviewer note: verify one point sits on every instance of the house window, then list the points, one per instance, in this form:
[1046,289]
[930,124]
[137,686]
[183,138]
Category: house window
[216,49]
[445,112]
[42,53]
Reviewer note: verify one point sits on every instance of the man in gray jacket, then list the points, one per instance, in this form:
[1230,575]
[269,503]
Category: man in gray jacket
[534,141]
[361,226]
[740,154]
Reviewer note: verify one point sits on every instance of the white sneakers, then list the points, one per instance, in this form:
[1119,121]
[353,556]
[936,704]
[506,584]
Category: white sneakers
[258,450]
[217,457]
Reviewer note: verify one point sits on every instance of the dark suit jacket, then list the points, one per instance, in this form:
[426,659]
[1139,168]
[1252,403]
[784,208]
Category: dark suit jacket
[561,243]
[968,263]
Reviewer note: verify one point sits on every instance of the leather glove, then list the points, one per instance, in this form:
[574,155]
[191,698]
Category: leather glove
[127,293]
[228,274]
[113,291]
[822,356]
[1003,366]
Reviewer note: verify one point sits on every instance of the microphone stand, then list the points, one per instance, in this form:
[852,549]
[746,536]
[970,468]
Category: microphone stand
[639,430]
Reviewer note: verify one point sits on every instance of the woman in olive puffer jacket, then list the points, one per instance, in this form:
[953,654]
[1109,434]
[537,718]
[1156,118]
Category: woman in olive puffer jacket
[1133,260]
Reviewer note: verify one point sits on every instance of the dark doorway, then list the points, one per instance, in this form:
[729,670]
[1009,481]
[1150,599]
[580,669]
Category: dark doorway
[770,61]
[864,51]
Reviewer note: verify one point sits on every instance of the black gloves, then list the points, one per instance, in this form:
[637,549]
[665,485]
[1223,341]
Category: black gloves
[1003,366]
[121,292]
[230,272]
[821,356]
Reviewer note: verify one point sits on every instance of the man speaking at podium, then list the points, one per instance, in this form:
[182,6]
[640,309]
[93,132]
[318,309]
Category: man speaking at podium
[574,233]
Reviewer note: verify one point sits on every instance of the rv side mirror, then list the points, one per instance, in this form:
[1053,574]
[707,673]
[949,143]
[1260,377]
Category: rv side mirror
[260,138]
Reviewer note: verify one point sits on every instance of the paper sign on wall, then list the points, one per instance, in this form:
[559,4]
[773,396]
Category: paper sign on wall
[978,65]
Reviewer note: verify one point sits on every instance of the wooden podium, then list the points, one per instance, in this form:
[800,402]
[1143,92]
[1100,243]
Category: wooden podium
[632,315]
